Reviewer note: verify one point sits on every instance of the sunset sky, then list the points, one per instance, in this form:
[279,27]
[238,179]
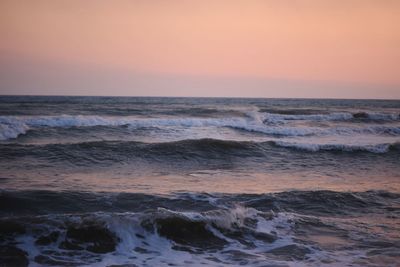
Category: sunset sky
[271,48]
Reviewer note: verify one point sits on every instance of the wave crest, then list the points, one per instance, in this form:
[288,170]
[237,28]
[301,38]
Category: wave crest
[12,129]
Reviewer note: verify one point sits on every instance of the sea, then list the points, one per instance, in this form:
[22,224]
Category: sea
[148,181]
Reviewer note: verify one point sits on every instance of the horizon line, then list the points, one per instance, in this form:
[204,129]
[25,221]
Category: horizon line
[228,97]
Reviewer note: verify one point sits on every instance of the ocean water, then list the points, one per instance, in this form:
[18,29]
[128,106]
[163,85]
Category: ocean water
[125,181]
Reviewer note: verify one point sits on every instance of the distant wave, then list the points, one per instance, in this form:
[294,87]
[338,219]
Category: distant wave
[376,116]
[310,131]
[25,123]
[12,130]
[340,116]
[13,126]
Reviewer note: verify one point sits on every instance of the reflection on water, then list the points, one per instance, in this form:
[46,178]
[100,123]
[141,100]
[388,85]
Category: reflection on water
[199,181]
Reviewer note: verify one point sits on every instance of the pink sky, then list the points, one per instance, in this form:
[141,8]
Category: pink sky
[270,48]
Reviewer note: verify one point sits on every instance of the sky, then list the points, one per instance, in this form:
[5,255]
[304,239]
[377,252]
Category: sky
[235,48]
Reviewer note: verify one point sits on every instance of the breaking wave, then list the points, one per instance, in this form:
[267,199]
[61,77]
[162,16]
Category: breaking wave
[186,229]
[12,126]
[12,130]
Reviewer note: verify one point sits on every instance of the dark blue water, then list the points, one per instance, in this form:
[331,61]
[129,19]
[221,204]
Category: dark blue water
[199,181]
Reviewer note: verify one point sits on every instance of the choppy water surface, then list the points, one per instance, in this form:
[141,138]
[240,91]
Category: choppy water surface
[102,181]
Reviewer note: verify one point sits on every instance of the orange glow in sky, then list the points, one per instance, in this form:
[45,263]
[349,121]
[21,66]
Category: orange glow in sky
[271,48]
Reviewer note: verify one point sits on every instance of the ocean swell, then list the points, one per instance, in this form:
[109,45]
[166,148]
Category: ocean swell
[207,152]
[36,203]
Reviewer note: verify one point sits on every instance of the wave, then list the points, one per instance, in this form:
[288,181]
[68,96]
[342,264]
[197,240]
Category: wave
[210,153]
[106,152]
[12,130]
[339,116]
[37,202]
[99,229]
[13,126]
[293,111]
[133,122]
[319,131]
[377,116]
[154,238]
[376,148]
[343,116]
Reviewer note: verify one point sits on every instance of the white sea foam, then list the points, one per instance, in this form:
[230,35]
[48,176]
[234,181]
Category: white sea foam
[158,250]
[127,226]
[12,130]
[12,126]
[87,121]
